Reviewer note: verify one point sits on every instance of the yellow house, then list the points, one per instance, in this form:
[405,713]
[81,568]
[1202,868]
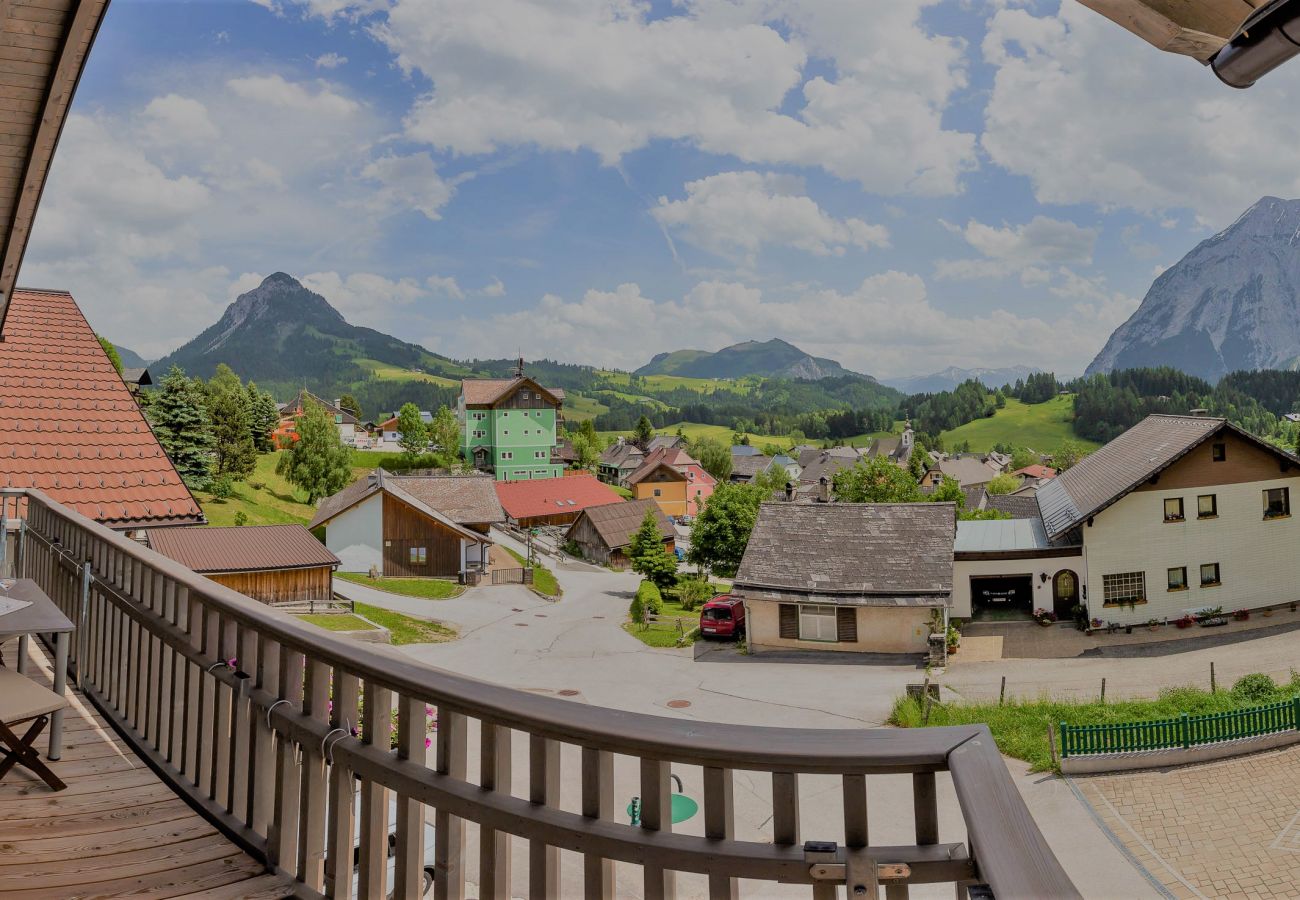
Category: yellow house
[665,485]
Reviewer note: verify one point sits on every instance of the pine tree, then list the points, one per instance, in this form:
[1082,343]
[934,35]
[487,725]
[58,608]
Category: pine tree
[348,403]
[649,556]
[263,417]
[318,463]
[234,454]
[179,418]
[645,431]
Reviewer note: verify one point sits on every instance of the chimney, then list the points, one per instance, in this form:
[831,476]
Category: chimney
[338,403]
[789,490]
[824,489]
[1199,413]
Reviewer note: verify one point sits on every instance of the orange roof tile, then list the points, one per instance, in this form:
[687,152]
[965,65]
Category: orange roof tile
[553,496]
[70,427]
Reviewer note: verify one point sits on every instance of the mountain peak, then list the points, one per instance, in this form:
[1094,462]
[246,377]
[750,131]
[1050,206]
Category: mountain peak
[1231,303]
[773,358]
[280,278]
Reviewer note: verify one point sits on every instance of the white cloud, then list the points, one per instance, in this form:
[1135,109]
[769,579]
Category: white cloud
[495,288]
[729,76]
[365,298]
[445,287]
[277,91]
[1023,250]
[882,327]
[173,119]
[330,61]
[410,182]
[1093,115]
[743,211]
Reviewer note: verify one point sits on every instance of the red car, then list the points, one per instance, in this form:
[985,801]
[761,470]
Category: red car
[723,616]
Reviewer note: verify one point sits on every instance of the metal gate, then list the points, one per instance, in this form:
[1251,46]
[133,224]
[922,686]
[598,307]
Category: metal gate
[512,576]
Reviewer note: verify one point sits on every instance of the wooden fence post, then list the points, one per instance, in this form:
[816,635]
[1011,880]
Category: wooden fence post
[1214,687]
[1103,690]
[1051,742]
[1002,693]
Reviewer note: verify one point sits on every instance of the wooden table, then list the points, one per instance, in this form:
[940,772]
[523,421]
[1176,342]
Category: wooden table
[42,617]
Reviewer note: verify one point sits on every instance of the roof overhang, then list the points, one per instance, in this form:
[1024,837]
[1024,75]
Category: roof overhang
[42,76]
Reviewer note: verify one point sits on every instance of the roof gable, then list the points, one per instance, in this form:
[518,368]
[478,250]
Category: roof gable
[243,548]
[1121,466]
[531,499]
[490,391]
[69,425]
[616,523]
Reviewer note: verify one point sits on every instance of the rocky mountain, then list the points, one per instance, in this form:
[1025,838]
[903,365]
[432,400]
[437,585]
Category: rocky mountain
[771,359]
[282,334]
[952,376]
[1232,303]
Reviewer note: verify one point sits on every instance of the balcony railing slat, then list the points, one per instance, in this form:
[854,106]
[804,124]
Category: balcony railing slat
[543,791]
[657,815]
[449,830]
[375,733]
[223,714]
[925,807]
[261,767]
[342,822]
[720,823]
[283,838]
[597,803]
[313,792]
[412,726]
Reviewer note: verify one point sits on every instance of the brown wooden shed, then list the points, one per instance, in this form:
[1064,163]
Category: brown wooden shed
[604,532]
[276,564]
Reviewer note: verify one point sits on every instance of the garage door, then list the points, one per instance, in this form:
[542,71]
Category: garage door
[1002,592]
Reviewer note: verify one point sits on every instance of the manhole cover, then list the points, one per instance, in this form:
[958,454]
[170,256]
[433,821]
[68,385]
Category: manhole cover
[568,692]
[678,704]
[540,615]
[515,609]
[598,617]
[521,624]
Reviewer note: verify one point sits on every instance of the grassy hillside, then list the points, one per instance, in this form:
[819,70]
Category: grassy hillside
[266,498]
[386,372]
[723,434]
[671,382]
[1039,426]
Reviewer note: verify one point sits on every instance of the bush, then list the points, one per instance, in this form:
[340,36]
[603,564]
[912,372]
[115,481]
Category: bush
[222,488]
[636,612]
[241,518]
[1254,688]
[651,600]
[572,548]
[692,593]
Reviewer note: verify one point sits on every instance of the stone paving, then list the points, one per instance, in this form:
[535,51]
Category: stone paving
[1222,829]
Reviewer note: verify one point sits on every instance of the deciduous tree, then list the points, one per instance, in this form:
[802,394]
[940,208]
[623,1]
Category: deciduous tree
[413,433]
[721,530]
[444,433]
[876,480]
[713,457]
[318,463]
[1003,483]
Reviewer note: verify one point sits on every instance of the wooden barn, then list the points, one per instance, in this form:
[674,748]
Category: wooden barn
[277,564]
[552,501]
[605,532]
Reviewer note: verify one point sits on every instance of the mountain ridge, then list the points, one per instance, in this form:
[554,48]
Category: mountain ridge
[1231,303]
[949,378]
[774,358]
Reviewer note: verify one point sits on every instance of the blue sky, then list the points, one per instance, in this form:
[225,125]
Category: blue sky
[898,184]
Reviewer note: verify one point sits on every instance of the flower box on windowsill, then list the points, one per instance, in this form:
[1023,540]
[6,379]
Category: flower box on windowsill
[1214,621]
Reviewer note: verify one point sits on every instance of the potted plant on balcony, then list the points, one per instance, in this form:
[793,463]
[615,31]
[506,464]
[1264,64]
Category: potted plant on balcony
[1153,624]
[1044,617]
[954,639]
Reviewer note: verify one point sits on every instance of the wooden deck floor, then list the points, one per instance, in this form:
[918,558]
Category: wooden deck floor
[116,831]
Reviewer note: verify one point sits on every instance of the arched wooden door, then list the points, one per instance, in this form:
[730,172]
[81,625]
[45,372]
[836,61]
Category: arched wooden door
[1065,593]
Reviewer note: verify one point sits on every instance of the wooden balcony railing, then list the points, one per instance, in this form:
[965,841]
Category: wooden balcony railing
[251,714]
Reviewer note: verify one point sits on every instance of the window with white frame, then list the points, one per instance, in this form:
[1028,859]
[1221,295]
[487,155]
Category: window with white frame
[1123,588]
[817,623]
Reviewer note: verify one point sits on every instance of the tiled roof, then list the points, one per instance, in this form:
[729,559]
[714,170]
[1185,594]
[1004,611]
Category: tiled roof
[70,427]
[673,458]
[1020,506]
[485,391]
[859,550]
[826,463]
[1103,477]
[809,455]
[666,441]
[462,499]
[553,496]
[617,522]
[967,470]
[465,499]
[749,466]
[1036,471]
[622,456]
[247,548]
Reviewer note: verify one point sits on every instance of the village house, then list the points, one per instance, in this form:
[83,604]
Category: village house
[674,480]
[72,428]
[619,460]
[864,577]
[136,378]
[280,565]
[968,471]
[896,448]
[604,533]
[389,433]
[745,469]
[508,426]
[1179,513]
[552,501]
[286,432]
[411,525]
[818,468]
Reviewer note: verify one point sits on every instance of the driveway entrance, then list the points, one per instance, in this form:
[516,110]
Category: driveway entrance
[997,593]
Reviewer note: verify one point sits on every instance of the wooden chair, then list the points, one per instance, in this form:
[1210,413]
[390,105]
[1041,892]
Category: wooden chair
[21,701]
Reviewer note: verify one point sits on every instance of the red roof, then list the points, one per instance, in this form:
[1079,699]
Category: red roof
[553,496]
[70,427]
[1036,471]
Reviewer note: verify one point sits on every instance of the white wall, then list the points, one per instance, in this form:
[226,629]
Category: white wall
[1258,560]
[356,536]
[962,571]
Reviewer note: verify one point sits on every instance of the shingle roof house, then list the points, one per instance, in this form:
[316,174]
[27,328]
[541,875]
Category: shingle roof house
[70,426]
[847,576]
[552,501]
[605,532]
[745,468]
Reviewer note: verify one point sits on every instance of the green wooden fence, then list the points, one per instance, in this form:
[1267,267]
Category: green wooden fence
[1184,731]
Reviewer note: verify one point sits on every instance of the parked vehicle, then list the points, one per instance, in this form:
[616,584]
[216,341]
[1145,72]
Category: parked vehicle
[723,617]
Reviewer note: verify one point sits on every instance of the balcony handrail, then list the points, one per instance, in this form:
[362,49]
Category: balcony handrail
[150,609]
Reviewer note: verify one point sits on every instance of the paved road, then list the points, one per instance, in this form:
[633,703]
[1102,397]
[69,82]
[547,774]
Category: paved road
[510,636]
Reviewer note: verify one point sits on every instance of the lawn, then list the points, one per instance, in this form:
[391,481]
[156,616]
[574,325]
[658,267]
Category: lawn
[265,498]
[579,408]
[664,633]
[424,588]
[337,622]
[723,435]
[407,629]
[1020,727]
[386,372]
[1039,426]
[671,382]
[544,581]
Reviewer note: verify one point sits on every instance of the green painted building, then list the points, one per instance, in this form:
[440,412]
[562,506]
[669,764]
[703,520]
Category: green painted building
[507,427]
